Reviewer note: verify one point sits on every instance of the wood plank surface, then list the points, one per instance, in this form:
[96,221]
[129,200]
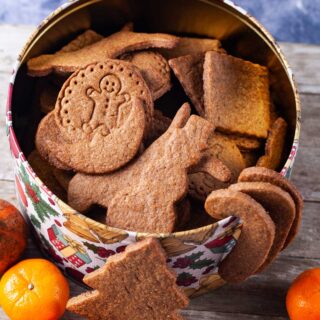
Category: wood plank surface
[262,296]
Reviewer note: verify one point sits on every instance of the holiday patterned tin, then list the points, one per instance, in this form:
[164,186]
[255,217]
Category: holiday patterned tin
[80,245]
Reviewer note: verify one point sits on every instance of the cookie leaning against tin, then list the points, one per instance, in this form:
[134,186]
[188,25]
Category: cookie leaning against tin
[257,235]
[142,196]
[274,146]
[139,286]
[275,178]
[279,205]
[101,115]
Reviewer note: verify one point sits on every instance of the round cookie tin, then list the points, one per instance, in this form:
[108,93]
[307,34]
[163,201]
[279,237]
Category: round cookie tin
[79,244]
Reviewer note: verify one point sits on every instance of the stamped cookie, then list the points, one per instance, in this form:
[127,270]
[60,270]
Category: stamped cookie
[191,46]
[48,135]
[139,286]
[275,178]
[236,95]
[84,39]
[214,167]
[227,151]
[110,47]
[278,204]
[256,237]
[274,146]
[189,70]
[45,172]
[142,196]
[100,117]
[201,184]
[154,69]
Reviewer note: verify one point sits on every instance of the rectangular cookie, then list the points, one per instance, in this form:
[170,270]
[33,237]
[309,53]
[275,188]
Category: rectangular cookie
[236,95]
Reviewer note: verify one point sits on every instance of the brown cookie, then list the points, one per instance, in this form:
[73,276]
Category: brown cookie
[278,204]
[63,177]
[274,148]
[100,118]
[236,95]
[214,167]
[45,172]
[48,135]
[142,196]
[135,284]
[275,178]
[189,70]
[257,235]
[201,184]
[84,39]
[245,144]
[191,46]
[227,151]
[154,69]
[183,214]
[110,47]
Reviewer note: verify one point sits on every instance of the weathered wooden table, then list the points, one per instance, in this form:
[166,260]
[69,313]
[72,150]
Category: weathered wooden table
[262,296]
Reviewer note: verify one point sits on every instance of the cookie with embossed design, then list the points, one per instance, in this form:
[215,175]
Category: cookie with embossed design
[102,114]
[154,69]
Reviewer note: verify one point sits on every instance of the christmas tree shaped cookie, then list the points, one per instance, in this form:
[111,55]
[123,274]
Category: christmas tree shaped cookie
[135,284]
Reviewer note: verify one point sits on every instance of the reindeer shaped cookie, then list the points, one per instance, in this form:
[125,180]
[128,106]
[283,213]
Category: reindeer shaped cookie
[142,196]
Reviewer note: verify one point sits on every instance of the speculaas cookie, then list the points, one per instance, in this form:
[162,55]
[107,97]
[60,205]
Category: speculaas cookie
[214,167]
[49,135]
[135,284]
[110,47]
[45,172]
[236,95]
[191,46]
[227,151]
[84,39]
[257,235]
[260,174]
[278,204]
[274,146]
[189,71]
[100,116]
[245,144]
[201,184]
[154,69]
[141,196]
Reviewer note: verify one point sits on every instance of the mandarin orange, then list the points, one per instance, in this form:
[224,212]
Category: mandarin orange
[303,298]
[34,289]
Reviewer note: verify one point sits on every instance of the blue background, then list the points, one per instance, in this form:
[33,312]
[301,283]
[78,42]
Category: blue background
[287,20]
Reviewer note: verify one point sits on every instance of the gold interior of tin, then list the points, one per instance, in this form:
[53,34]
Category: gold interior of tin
[239,35]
